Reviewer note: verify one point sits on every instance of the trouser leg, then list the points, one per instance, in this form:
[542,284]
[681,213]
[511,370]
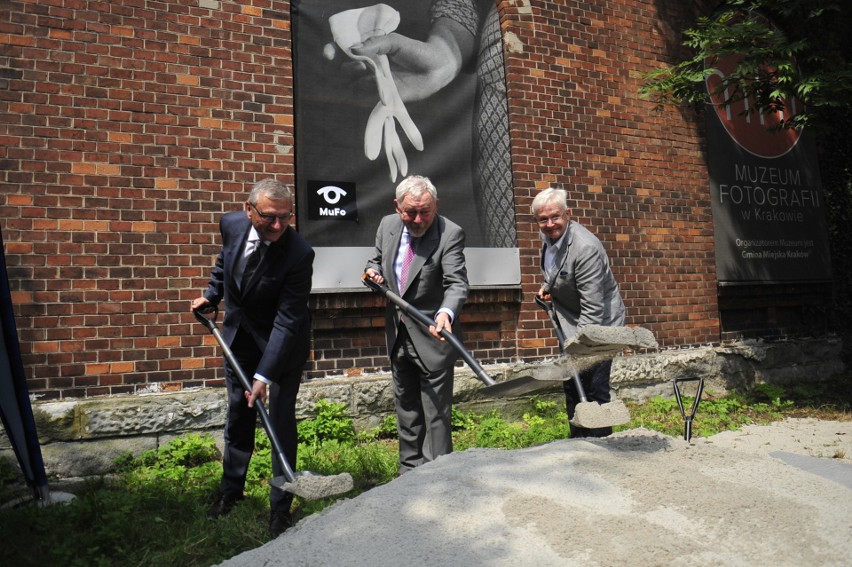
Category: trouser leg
[240,420]
[436,397]
[406,392]
[423,402]
[282,415]
[241,423]
[595,382]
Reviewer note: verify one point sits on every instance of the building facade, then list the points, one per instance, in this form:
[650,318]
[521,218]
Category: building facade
[128,128]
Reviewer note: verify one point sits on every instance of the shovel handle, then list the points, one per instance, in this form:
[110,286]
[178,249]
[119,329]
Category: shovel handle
[560,336]
[202,314]
[548,306]
[425,320]
[210,323]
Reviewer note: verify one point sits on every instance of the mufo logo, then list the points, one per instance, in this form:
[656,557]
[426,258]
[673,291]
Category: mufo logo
[332,200]
[750,128]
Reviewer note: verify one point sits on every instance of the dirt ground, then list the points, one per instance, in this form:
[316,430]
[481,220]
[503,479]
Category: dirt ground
[766,495]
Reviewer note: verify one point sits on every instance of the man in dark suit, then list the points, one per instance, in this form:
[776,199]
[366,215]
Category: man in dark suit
[420,256]
[584,291]
[263,272]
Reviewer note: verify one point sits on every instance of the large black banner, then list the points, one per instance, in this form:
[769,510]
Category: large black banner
[362,124]
[767,203]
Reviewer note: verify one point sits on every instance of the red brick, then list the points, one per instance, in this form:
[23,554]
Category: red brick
[117,170]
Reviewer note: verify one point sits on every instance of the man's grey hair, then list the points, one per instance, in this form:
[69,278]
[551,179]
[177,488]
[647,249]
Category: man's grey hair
[551,195]
[272,189]
[415,185]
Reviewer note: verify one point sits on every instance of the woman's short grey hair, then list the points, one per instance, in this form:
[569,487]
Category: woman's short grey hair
[272,189]
[558,197]
[415,185]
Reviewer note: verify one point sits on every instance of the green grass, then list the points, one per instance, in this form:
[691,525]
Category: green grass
[762,405]
[153,512]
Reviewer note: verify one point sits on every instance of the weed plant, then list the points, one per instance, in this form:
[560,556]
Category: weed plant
[153,510]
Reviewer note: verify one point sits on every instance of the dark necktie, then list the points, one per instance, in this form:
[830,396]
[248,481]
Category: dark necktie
[252,263]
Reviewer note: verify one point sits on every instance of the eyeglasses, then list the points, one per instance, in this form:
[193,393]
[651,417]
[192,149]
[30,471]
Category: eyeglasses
[271,218]
[554,219]
[412,214]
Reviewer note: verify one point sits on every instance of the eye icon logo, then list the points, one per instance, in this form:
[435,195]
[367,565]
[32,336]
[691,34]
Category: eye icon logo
[331,194]
[330,199]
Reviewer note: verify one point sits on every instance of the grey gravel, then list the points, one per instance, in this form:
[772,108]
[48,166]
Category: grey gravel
[635,498]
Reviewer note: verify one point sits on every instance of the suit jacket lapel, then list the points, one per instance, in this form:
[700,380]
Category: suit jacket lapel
[427,245]
[238,249]
[390,241]
[273,251]
[561,256]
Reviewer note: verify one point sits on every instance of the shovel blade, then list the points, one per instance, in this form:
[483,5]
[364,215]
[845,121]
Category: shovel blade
[314,487]
[592,415]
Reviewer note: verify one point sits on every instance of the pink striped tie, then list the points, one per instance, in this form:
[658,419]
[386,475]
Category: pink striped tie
[406,264]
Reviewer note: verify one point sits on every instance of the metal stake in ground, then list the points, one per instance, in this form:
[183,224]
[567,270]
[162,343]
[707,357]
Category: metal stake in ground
[305,484]
[687,419]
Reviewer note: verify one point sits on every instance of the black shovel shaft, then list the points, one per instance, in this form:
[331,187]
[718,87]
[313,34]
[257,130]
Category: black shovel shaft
[548,307]
[560,336]
[210,323]
[424,319]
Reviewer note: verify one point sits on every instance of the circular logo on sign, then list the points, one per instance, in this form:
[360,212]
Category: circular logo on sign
[754,131]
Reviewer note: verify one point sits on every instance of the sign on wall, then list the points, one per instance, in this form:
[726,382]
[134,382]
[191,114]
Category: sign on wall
[364,123]
[767,203]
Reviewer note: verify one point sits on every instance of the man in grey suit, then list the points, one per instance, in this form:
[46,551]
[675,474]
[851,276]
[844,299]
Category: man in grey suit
[420,256]
[263,272]
[579,281]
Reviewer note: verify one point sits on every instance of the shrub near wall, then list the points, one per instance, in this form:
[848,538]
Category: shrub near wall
[129,127]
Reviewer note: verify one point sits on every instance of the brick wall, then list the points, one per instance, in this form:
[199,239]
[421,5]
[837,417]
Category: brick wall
[635,176]
[128,127]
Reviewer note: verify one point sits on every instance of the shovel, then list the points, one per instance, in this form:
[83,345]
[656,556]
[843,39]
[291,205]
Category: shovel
[509,388]
[688,417]
[304,484]
[591,415]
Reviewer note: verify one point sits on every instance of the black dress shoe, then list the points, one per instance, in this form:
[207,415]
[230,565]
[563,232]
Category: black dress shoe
[279,522]
[224,503]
